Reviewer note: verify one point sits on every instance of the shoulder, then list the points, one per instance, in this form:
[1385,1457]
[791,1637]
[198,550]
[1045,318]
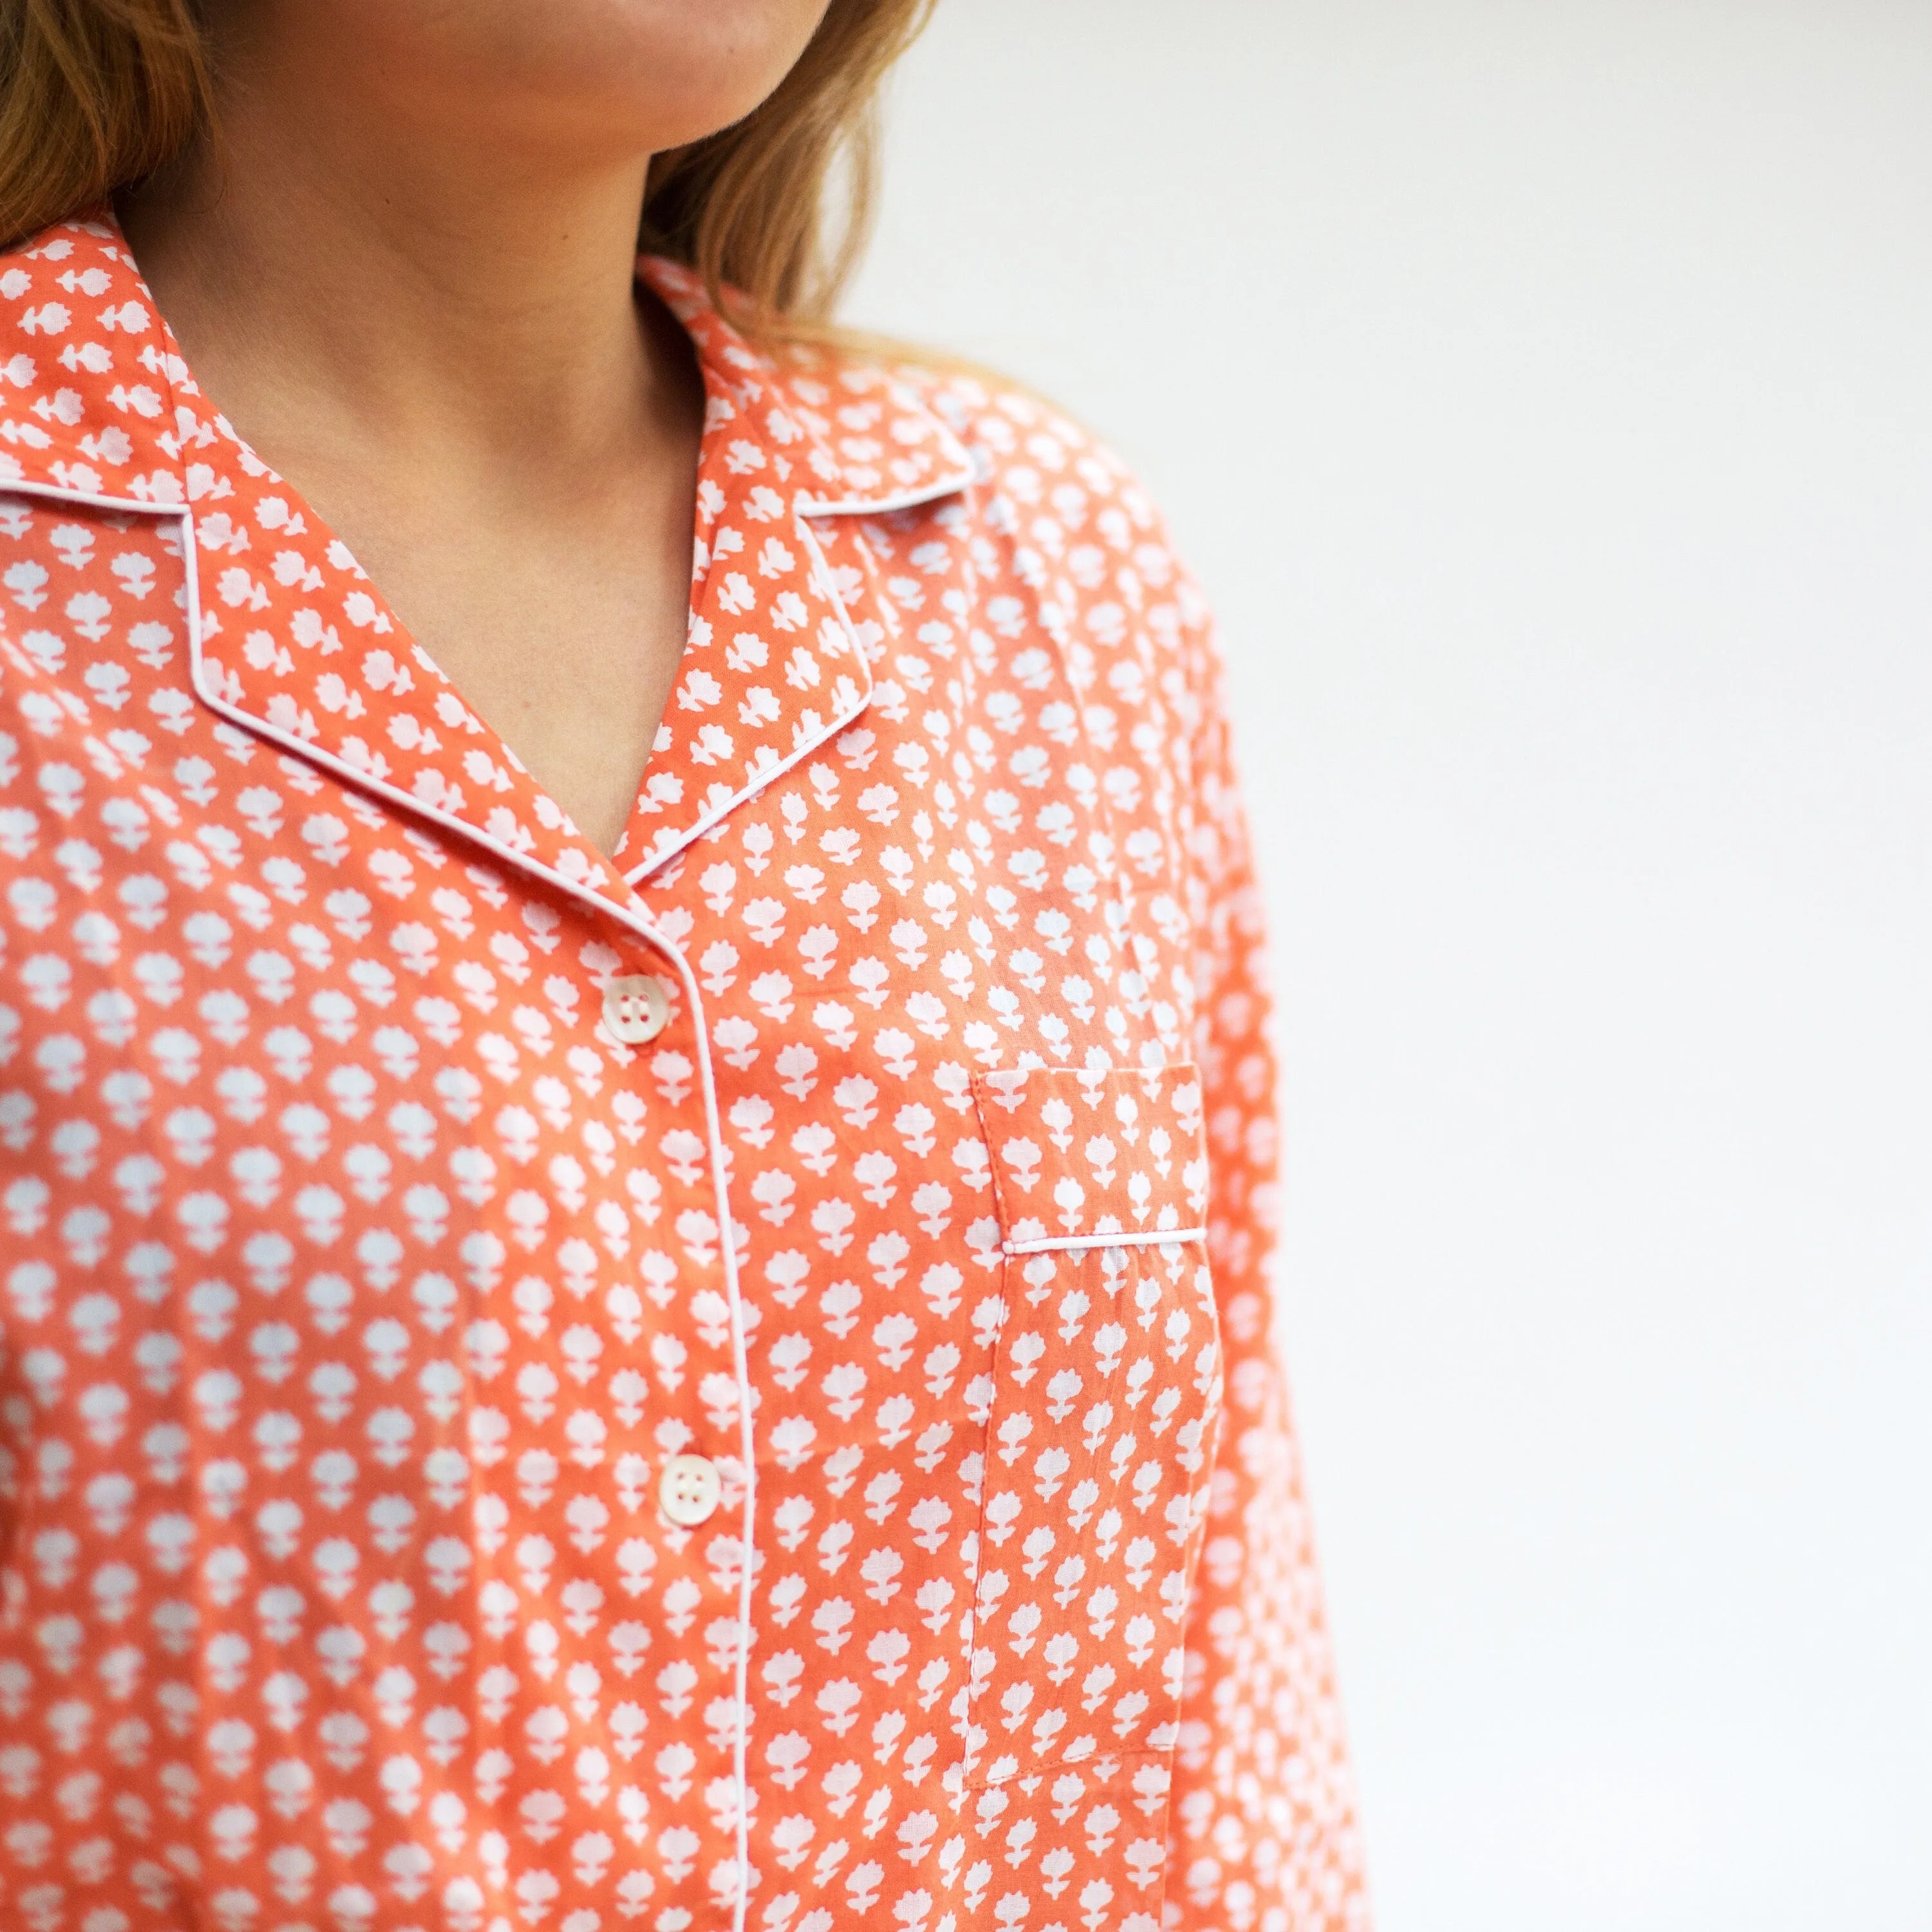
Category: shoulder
[1027,449]
[1055,509]
[880,427]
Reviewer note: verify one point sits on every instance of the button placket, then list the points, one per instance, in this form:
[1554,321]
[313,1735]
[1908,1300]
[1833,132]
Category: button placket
[691,1491]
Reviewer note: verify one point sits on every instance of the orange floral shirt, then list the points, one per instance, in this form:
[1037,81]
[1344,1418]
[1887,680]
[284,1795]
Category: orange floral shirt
[728,1388]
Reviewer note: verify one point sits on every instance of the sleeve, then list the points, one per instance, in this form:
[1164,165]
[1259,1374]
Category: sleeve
[1264,1832]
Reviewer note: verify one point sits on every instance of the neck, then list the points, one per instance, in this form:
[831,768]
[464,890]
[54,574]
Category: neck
[337,273]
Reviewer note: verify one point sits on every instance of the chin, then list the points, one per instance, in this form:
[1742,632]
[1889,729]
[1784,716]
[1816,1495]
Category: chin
[649,74]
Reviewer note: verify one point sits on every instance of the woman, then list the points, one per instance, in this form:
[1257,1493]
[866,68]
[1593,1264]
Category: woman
[635,1192]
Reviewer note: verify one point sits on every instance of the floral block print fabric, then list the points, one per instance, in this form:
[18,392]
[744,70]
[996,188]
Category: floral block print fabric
[468,1466]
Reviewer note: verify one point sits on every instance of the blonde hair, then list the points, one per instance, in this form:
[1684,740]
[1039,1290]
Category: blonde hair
[772,212]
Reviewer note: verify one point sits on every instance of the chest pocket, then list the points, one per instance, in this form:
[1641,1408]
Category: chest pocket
[1106,1391]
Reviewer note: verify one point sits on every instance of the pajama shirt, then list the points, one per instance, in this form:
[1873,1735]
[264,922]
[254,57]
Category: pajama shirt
[729,1385]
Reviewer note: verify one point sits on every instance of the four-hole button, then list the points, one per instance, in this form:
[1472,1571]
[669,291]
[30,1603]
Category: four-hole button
[689,1489]
[635,1008]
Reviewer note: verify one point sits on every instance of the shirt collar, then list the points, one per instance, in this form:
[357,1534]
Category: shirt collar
[97,405]
[857,439]
[76,417]
[91,379]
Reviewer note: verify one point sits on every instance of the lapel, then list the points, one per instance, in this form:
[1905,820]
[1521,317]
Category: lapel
[289,639]
[782,639]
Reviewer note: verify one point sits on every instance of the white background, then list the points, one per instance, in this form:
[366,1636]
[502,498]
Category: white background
[1544,392]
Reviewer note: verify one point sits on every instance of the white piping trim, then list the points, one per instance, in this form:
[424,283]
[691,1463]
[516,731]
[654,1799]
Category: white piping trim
[714,1131]
[907,499]
[771,773]
[741,1363]
[1140,1238]
[360,780]
[97,500]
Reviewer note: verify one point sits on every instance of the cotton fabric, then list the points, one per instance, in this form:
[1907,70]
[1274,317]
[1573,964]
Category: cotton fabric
[358,1282]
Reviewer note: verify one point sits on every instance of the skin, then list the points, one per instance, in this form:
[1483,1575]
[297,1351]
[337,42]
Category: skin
[407,280]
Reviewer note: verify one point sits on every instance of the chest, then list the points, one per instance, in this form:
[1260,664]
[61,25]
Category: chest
[562,632]
[364,1281]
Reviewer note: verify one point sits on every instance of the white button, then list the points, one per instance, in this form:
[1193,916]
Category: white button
[635,1009]
[689,1489]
